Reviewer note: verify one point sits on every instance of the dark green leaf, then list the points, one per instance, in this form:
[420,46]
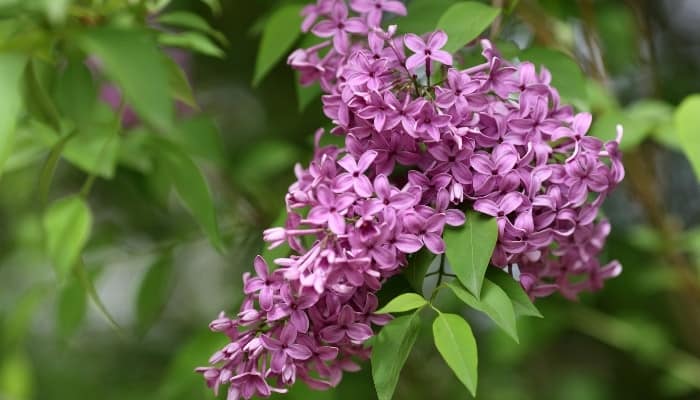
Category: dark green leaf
[521,302]
[306,94]
[200,136]
[191,187]
[214,5]
[76,93]
[418,265]
[72,306]
[423,15]
[154,292]
[403,303]
[391,348]
[67,225]
[455,341]
[281,31]
[132,59]
[38,80]
[687,118]
[469,249]
[494,302]
[194,41]
[464,21]
[89,288]
[11,69]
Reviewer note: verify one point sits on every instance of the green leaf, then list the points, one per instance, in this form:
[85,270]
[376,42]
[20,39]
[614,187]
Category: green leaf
[521,302]
[16,376]
[180,88]
[75,93]
[56,10]
[132,59]
[214,5]
[494,302]
[89,288]
[71,308]
[191,187]
[390,350]
[463,22]
[184,19]
[96,151]
[305,94]
[635,130]
[201,138]
[402,303]
[418,265]
[38,102]
[567,76]
[194,41]
[11,70]
[423,15]
[67,224]
[687,118]
[281,31]
[154,292]
[469,249]
[455,342]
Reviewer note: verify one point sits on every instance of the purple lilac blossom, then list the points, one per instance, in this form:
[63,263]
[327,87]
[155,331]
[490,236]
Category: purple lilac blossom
[493,138]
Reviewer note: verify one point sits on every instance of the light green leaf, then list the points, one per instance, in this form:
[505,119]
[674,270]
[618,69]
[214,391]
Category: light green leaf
[191,187]
[281,31]
[635,130]
[67,224]
[687,118]
[91,291]
[96,151]
[464,21]
[494,302]
[76,93]
[194,41]
[200,136]
[418,265]
[402,303]
[469,249]
[153,292]
[521,302]
[16,377]
[132,59]
[180,88]
[56,10]
[567,76]
[455,341]
[11,69]
[184,19]
[71,308]
[390,350]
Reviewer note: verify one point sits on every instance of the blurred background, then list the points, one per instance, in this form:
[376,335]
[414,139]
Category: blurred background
[156,274]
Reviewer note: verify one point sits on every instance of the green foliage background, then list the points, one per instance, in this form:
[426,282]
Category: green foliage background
[119,245]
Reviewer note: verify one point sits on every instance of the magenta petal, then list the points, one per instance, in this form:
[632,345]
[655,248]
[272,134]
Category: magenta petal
[359,332]
[298,352]
[300,321]
[415,61]
[336,223]
[434,243]
[332,334]
[442,56]
[414,43]
[265,298]
[408,243]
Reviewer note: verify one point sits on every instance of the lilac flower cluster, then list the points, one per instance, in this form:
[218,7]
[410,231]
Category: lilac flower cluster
[493,138]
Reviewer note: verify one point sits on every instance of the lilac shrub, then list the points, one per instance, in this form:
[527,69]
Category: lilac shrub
[425,141]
